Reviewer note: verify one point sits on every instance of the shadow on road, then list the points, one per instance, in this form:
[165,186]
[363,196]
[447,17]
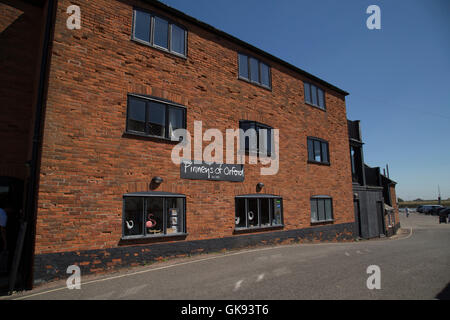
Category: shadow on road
[445,293]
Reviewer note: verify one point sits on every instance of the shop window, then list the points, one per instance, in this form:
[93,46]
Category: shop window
[153,214]
[153,117]
[321,209]
[255,211]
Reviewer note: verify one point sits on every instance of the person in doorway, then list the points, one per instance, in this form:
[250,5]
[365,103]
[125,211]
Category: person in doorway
[3,222]
[4,255]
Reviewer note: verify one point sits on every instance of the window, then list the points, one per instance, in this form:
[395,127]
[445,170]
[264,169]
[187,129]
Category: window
[318,151]
[258,211]
[253,70]
[257,138]
[321,209]
[150,214]
[314,95]
[153,117]
[159,32]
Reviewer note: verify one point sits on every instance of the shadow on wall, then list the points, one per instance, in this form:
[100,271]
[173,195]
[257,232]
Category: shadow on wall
[19,39]
[445,293]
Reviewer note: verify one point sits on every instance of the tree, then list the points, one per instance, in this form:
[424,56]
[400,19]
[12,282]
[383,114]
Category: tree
[400,200]
[418,199]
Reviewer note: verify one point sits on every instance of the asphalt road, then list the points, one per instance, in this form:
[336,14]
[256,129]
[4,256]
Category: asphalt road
[413,265]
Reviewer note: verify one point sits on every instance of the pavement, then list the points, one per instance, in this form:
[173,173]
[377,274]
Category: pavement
[414,264]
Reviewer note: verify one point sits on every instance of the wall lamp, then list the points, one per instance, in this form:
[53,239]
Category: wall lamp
[156,181]
[259,186]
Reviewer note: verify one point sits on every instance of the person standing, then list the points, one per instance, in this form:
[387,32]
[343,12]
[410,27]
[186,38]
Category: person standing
[407,212]
[4,256]
[3,222]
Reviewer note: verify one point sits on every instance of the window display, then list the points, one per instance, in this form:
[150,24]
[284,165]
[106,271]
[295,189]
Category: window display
[258,212]
[150,215]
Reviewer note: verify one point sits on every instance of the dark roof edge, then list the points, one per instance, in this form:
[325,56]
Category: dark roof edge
[263,53]
[382,175]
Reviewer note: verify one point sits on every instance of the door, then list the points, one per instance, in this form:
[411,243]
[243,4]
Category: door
[380,215]
[357,216]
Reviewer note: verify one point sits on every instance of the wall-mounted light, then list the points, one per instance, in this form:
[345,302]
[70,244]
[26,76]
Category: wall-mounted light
[156,181]
[259,186]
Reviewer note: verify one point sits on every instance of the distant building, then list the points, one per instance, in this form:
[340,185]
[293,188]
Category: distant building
[374,198]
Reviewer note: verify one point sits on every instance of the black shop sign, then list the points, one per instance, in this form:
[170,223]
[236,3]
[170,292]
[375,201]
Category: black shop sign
[211,171]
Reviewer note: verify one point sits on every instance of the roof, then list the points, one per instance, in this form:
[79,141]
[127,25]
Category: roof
[389,179]
[244,44]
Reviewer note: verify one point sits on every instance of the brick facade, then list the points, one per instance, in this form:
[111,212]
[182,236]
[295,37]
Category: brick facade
[394,203]
[88,162]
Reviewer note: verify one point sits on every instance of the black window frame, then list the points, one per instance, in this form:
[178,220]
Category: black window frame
[258,125]
[322,141]
[258,198]
[152,32]
[317,199]
[324,107]
[167,104]
[248,79]
[162,195]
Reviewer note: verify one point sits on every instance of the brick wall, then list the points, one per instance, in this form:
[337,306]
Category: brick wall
[394,203]
[88,164]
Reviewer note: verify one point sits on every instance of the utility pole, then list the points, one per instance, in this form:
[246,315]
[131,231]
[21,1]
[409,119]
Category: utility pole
[439,195]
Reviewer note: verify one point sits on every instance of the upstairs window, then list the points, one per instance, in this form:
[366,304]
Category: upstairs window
[314,95]
[318,151]
[159,32]
[253,70]
[257,138]
[321,209]
[153,117]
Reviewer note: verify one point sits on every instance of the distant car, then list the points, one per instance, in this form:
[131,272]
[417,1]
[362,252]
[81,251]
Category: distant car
[443,214]
[419,209]
[434,211]
[427,209]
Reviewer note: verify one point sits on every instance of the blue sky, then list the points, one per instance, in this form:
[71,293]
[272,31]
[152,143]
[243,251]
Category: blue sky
[398,77]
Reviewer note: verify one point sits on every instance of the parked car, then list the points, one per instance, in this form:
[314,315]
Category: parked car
[419,209]
[444,214]
[427,208]
[434,211]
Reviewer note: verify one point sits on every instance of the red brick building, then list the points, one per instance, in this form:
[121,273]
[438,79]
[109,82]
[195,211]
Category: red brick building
[89,118]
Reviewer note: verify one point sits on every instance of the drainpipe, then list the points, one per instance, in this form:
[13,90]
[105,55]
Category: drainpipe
[32,187]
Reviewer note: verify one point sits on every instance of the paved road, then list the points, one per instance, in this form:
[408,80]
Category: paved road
[413,266]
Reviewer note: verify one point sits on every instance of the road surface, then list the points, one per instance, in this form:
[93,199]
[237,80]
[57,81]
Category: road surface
[413,265]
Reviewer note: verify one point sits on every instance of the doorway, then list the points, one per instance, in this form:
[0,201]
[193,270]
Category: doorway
[11,196]
[380,216]
[357,216]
